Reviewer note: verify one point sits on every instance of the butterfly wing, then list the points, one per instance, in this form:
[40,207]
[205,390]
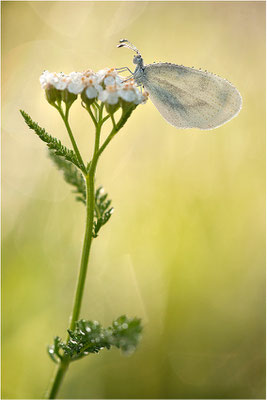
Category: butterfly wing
[190,98]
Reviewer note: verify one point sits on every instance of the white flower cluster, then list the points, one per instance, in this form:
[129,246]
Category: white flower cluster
[105,85]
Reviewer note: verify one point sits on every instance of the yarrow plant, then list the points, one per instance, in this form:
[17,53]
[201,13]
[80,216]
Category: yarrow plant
[103,95]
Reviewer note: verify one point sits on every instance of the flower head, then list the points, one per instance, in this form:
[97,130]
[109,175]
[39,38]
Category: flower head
[105,86]
[75,82]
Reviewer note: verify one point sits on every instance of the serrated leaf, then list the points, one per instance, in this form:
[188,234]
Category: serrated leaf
[71,176]
[53,144]
[90,337]
[54,350]
[103,211]
[126,333]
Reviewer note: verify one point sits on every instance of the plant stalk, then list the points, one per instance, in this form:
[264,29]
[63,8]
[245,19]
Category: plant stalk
[90,199]
[73,142]
[90,206]
[57,379]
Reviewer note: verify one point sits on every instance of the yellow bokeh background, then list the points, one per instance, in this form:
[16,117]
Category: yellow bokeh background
[185,248]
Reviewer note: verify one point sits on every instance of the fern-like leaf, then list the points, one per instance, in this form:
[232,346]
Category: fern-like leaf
[53,144]
[71,176]
[54,350]
[90,337]
[103,210]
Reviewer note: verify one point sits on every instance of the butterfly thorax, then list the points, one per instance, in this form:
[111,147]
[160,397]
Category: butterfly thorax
[139,70]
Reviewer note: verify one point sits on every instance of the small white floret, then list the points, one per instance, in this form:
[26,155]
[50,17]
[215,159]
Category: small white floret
[91,92]
[60,81]
[109,80]
[76,84]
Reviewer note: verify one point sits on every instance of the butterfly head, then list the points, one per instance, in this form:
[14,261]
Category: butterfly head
[138,60]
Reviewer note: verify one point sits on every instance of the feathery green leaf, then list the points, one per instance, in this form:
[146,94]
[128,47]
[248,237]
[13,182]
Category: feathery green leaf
[90,337]
[52,143]
[103,210]
[71,176]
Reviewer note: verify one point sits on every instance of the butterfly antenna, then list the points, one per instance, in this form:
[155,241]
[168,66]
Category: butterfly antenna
[126,43]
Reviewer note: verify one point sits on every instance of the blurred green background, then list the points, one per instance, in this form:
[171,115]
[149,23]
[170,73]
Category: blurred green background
[185,248]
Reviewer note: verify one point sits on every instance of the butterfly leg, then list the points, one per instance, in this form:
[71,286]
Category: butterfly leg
[128,78]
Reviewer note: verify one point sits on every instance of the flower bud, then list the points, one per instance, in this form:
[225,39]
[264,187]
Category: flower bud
[110,97]
[52,95]
[112,108]
[68,97]
[86,100]
[127,105]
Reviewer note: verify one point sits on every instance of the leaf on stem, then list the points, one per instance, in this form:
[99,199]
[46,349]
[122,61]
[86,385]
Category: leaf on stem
[71,176]
[103,210]
[90,337]
[54,350]
[53,144]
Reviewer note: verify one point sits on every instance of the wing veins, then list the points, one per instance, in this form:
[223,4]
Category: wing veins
[187,92]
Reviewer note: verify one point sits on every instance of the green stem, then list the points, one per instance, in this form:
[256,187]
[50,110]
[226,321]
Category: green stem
[88,237]
[116,128]
[57,379]
[106,142]
[113,121]
[73,142]
[90,203]
[90,199]
[90,206]
[92,115]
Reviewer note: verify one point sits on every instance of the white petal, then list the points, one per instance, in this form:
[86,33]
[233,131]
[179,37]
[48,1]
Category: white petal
[113,98]
[60,82]
[103,95]
[127,95]
[43,77]
[61,85]
[47,79]
[91,92]
[100,75]
[119,80]
[99,88]
[75,75]
[109,81]
[122,93]
[75,87]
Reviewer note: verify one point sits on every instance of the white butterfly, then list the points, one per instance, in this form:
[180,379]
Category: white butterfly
[186,97]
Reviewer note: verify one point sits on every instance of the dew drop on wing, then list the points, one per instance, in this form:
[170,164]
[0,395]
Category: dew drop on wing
[184,103]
